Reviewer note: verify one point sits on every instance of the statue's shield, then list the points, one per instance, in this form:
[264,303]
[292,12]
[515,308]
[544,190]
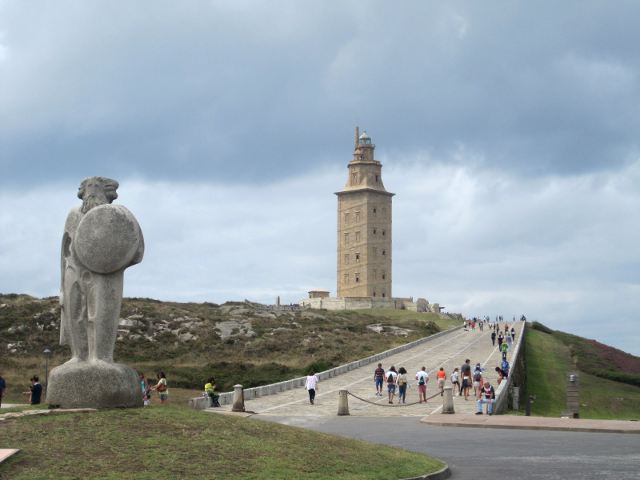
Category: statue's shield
[107,239]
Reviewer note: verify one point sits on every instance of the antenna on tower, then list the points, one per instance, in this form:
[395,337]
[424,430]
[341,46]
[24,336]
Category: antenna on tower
[357,136]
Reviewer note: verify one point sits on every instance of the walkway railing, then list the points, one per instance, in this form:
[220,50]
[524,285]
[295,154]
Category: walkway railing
[502,392]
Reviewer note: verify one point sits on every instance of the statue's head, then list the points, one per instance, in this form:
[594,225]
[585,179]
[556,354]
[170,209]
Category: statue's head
[96,191]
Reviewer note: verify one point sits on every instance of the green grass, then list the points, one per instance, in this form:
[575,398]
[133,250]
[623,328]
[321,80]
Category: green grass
[549,360]
[173,442]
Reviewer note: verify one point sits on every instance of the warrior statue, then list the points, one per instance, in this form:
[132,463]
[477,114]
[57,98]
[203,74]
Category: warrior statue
[100,241]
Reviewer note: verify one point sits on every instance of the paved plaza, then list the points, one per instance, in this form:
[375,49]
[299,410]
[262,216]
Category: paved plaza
[448,351]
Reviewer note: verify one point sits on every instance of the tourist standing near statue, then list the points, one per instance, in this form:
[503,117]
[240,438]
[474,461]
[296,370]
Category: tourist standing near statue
[311,384]
[422,377]
[162,387]
[378,378]
[3,386]
[35,391]
[100,241]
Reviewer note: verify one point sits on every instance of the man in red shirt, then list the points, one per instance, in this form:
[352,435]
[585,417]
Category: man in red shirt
[378,377]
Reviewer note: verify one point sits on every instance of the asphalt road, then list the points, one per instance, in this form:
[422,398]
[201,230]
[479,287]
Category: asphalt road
[483,453]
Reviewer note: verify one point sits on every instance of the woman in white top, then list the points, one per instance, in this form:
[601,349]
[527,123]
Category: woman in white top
[311,384]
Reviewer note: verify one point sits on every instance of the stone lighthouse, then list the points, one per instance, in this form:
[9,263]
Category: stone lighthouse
[364,227]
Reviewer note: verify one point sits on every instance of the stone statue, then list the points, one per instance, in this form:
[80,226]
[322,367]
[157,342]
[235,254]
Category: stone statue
[100,241]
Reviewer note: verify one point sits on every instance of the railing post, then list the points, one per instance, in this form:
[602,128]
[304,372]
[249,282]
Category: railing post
[343,403]
[447,400]
[238,399]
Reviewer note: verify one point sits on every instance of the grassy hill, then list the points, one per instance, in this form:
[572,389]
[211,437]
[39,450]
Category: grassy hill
[238,342]
[608,377]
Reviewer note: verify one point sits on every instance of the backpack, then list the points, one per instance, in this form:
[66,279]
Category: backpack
[390,378]
[477,376]
[421,381]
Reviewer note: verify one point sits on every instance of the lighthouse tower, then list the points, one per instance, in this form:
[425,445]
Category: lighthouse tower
[364,227]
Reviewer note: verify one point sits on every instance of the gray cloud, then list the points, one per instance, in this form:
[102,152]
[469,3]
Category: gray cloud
[220,91]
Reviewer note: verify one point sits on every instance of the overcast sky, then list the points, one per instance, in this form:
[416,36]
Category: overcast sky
[510,133]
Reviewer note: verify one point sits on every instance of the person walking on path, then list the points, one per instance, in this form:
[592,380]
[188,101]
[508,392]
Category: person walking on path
[487,396]
[3,387]
[508,339]
[504,348]
[500,339]
[403,381]
[477,380]
[378,378]
[455,380]
[422,377]
[513,333]
[465,370]
[311,384]
[441,376]
[493,338]
[392,376]
[162,387]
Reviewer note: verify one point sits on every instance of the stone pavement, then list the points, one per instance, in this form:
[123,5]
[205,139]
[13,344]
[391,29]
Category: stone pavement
[448,351]
[534,423]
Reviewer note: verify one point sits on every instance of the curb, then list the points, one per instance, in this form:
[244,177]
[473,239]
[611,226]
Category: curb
[441,474]
[534,427]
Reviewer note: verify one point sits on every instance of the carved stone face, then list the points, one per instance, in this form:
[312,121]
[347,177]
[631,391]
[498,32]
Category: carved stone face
[96,191]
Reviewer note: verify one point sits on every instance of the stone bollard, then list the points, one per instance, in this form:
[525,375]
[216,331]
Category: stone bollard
[238,399]
[343,403]
[516,398]
[447,400]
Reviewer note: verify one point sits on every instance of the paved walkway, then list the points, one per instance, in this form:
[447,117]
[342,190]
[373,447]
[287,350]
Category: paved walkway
[448,351]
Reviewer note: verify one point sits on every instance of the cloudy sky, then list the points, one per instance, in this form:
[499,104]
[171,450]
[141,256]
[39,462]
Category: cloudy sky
[508,131]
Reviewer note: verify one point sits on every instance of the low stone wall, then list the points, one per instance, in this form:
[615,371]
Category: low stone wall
[517,371]
[226,398]
[359,303]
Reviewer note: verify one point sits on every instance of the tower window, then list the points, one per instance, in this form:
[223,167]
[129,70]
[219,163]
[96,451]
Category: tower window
[375,210]
[375,231]
[384,252]
[357,236]
[376,178]
[357,277]
[383,294]
[357,257]
[354,177]
[357,216]
[374,293]
[383,232]
[384,276]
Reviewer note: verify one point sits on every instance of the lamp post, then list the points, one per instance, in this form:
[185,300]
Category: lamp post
[47,354]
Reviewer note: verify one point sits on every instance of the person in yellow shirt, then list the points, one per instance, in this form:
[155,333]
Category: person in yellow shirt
[209,389]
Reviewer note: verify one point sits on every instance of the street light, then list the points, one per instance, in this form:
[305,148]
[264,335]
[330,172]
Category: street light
[47,354]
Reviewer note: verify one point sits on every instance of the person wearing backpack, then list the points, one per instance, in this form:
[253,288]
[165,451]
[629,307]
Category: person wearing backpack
[392,375]
[422,377]
[477,380]
[403,382]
